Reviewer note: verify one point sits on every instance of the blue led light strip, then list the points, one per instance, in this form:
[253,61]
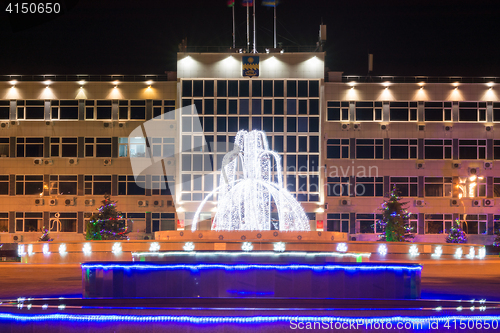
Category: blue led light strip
[253,266]
[227,320]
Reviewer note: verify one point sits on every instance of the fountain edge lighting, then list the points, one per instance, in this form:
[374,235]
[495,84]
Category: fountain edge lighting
[254,266]
[236,319]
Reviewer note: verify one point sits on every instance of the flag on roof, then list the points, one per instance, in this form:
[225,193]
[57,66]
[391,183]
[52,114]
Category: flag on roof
[247,3]
[270,3]
[230,3]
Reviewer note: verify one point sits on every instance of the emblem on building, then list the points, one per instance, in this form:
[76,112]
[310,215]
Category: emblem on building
[250,66]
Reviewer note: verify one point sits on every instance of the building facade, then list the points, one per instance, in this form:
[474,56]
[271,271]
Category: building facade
[344,143]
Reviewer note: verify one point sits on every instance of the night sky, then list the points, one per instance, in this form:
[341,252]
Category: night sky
[407,37]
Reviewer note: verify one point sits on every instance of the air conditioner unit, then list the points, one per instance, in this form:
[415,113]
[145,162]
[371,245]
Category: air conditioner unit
[345,202]
[39,202]
[170,203]
[15,122]
[448,128]
[476,203]
[473,171]
[456,165]
[421,127]
[488,128]
[69,202]
[454,203]
[384,127]
[17,238]
[48,162]
[420,165]
[107,162]
[122,124]
[356,127]
[49,123]
[52,202]
[37,161]
[5,125]
[158,203]
[107,124]
[142,203]
[89,202]
[488,165]
[419,203]
[345,127]
[73,161]
[488,202]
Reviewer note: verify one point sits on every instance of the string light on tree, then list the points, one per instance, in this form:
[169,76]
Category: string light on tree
[395,222]
[107,223]
[456,235]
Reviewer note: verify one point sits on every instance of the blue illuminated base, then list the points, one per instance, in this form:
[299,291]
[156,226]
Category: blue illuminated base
[236,280]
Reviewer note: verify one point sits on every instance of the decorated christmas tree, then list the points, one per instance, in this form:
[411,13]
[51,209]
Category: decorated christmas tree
[395,222]
[107,223]
[456,234]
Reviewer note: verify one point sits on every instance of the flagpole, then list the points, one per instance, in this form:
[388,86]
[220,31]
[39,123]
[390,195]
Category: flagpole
[254,36]
[275,25]
[234,30]
[248,29]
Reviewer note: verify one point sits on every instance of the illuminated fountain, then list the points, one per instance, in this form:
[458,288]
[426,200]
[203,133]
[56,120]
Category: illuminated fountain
[248,192]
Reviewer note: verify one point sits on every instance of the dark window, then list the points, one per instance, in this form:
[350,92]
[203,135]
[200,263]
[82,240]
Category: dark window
[337,148]
[369,148]
[302,89]
[291,88]
[187,88]
[221,88]
[313,88]
[244,88]
[406,186]
[197,88]
[209,88]
[268,88]
[232,88]
[256,88]
[279,88]
[337,186]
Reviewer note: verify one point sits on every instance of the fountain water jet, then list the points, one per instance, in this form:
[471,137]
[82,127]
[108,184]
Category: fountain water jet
[248,193]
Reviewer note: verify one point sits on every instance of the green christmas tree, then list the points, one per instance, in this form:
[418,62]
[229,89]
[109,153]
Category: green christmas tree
[456,234]
[107,223]
[395,222]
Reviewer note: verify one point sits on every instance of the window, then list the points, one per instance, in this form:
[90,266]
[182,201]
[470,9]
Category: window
[128,185]
[163,221]
[435,149]
[496,224]
[4,184]
[97,185]
[368,223]
[407,186]
[29,222]
[338,186]
[63,185]
[472,111]
[30,110]
[165,109]
[369,186]
[472,149]
[4,222]
[474,224]
[496,111]
[4,110]
[414,223]
[64,110]
[370,148]
[438,186]
[65,223]
[496,149]
[98,110]
[97,147]
[337,222]
[403,111]
[29,185]
[63,147]
[438,223]
[4,147]
[162,147]
[138,220]
[133,110]
[29,147]
[338,111]
[437,111]
[161,187]
[122,147]
[496,187]
[403,148]
[368,111]
[137,147]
